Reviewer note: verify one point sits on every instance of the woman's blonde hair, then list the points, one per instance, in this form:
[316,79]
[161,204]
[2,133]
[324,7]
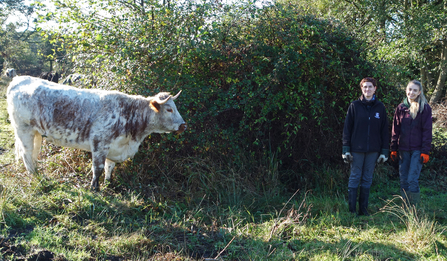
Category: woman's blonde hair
[421,98]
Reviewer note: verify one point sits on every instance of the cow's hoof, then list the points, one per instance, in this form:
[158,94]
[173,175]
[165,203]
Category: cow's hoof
[107,182]
[94,188]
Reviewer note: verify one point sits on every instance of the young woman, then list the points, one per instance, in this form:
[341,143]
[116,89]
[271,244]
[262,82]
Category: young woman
[365,137]
[412,136]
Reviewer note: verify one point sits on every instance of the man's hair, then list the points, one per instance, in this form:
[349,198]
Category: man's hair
[368,79]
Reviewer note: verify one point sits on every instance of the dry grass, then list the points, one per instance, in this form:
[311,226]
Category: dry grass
[439,113]
[421,232]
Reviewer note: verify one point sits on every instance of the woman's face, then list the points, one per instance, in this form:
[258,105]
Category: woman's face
[368,90]
[413,91]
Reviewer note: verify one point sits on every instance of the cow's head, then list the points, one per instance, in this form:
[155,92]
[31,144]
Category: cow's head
[167,114]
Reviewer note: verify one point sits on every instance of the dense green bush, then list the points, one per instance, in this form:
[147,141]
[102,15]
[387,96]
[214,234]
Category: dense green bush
[259,85]
[277,85]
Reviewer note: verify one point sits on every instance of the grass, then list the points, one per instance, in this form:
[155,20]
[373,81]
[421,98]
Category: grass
[174,220]
[421,231]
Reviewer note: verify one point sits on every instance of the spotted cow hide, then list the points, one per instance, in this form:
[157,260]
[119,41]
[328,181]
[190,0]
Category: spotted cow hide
[110,124]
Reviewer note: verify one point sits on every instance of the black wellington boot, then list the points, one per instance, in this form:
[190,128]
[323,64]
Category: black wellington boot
[352,199]
[363,201]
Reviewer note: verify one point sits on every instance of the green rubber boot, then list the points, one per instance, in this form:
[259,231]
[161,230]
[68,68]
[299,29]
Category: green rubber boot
[352,200]
[415,198]
[405,197]
[363,201]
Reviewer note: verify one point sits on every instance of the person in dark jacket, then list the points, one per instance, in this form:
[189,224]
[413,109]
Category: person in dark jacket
[365,142]
[412,136]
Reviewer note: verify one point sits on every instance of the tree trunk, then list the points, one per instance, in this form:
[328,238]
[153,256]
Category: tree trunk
[429,80]
[142,7]
[437,93]
[426,79]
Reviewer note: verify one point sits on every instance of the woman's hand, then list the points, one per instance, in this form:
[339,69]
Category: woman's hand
[393,155]
[424,158]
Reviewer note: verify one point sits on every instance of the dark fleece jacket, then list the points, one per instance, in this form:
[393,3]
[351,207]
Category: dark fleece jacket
[366,127]
[409,134]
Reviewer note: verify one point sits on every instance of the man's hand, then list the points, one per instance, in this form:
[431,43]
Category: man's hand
[347,157]
[382,158]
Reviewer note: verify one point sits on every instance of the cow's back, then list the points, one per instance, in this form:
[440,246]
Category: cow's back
[63,114]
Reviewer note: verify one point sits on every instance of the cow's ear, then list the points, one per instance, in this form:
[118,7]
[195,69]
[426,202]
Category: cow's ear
[155,106]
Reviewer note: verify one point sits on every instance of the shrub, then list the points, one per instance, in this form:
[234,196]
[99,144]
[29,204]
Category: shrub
[276,85]
[260,85]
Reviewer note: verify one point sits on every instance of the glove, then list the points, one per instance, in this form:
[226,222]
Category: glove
[424,158]
[393,155]
[347,157]
[382,158]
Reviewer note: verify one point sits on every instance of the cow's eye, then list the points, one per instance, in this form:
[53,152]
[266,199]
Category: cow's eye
[169,110]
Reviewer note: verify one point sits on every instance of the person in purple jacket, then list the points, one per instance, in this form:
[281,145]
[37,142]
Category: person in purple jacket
[412,136]
[365,143]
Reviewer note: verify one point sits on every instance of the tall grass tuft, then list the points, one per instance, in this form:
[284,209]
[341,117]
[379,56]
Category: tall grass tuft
[293,216]
[347,251]
[421,232]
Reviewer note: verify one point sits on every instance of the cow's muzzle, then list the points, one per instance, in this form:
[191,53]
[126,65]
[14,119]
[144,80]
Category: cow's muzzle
[181,128]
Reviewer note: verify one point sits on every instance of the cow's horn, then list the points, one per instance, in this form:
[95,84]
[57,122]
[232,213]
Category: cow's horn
[164,101]
[176,96]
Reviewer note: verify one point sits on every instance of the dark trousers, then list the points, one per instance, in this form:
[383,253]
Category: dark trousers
[410,167]
[362,169]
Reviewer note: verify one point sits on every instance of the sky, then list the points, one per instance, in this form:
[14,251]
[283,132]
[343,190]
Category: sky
[19,17]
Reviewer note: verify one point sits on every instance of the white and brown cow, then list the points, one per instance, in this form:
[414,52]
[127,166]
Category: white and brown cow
[110,124]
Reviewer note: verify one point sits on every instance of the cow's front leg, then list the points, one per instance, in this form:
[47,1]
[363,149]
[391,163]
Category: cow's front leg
[99,153]
[99,160]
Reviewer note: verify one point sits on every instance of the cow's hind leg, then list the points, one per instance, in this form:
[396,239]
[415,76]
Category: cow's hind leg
[37,146]
[25,147]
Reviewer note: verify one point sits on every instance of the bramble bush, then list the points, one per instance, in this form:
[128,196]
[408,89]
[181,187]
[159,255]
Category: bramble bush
[264,90]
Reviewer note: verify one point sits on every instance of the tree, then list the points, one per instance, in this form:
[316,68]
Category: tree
[11,39]
[23,55]
[12,7]
[410,36]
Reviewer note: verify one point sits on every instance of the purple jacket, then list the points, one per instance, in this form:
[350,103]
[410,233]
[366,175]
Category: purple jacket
[409,134]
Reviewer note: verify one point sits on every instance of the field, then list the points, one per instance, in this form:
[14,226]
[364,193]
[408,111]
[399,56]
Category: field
[54,216]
